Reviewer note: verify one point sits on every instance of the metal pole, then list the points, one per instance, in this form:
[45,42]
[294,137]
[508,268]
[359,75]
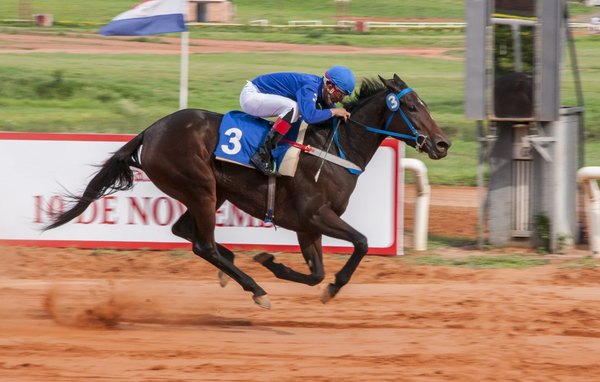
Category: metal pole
[516,36]
[401,190]
[580,102]
[184,68]
[480,183]
[577,81]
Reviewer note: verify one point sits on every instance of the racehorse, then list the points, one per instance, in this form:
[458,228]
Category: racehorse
[177,155]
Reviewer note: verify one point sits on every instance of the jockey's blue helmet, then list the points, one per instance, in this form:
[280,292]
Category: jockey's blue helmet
[342,78]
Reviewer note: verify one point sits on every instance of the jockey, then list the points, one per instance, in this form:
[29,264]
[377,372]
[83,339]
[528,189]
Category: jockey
[288,95]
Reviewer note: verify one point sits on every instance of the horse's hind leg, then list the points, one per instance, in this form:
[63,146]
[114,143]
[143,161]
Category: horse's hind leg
[223,278]
[202,219]
[184,228]
[310,244]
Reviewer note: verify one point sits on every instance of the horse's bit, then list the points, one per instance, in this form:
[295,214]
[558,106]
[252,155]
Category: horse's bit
[393,103]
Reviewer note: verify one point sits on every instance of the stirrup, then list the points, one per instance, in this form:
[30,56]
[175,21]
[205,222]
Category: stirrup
[267,168]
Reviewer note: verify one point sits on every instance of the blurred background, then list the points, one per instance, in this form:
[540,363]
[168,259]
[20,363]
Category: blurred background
[81,90]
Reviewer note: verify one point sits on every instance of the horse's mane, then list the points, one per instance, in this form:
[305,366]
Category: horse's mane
[368,88]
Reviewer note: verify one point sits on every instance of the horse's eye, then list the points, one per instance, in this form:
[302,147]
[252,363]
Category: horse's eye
[412,108]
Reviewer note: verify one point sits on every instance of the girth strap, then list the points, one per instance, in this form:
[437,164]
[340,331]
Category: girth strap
[269,216]
[322,154]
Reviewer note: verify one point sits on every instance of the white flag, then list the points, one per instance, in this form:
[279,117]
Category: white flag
[149,17]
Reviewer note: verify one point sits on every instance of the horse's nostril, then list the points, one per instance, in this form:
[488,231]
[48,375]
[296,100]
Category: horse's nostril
[443,145]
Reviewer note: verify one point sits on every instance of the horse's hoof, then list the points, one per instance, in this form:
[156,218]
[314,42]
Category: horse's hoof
[223,279]
[263,257]
[326,295]
[262,301]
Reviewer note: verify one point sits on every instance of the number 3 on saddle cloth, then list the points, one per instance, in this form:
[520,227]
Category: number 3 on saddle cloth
[241,134]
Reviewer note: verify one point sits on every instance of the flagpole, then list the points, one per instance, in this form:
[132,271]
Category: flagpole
[155,17]
[184,68]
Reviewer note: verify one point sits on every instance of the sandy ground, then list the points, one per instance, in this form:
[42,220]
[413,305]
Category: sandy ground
[79,315]
[88,44]
[82,315]
[453,211]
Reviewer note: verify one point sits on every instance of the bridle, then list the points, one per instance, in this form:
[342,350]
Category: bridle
[393,101]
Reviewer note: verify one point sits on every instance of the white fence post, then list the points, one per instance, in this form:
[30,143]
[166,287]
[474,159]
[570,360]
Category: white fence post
[421,223]
[588,177]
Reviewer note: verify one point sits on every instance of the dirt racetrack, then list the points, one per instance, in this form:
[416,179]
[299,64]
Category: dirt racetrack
[93,43]
[80,315]
[83,315]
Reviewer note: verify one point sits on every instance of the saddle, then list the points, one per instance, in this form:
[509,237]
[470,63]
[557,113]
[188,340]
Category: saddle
[241,134]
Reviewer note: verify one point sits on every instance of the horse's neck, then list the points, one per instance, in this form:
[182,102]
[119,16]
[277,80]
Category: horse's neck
[358,144]
[354,140]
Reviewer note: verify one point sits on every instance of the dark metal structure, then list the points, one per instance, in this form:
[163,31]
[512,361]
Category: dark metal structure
[513,86]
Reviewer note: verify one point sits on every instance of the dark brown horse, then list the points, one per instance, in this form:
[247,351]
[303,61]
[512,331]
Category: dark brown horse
[177,156]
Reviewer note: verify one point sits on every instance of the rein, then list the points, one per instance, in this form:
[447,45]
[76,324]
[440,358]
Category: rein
[393,101]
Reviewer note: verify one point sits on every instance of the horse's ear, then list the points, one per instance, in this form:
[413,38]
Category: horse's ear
[399,82]
[390,84]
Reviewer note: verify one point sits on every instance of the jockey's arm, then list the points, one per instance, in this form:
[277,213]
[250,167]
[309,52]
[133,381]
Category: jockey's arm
[307,102]
[340,112]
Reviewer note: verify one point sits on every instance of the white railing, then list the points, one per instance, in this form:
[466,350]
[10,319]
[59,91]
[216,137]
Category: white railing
[305,22]
[588,177]
[415,25]
[421,222]
[346,23]
[261,22]
[370,24]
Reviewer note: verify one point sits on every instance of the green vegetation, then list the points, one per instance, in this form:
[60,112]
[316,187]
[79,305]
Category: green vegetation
[436,242]
[379,38]
[459,168]
[101,93]
[181,253]
[104,252]
[479,262]
[542,227]
[276,11]
[584,262]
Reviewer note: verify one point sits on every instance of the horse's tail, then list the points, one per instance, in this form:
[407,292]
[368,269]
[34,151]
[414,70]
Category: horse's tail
[114,175]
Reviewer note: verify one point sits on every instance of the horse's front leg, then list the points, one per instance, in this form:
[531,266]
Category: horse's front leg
[204,246]
[208,251]
[330,224]
[310,243]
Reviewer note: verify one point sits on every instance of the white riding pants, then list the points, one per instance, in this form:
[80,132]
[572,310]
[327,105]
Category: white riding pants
[265,105]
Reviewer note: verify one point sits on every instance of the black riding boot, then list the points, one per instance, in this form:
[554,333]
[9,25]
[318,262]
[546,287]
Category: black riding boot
[262,158]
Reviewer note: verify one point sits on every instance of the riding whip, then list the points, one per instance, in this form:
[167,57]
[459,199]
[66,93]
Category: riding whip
[326,151]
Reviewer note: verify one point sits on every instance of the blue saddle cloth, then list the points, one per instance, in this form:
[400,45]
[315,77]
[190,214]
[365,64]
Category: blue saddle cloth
[241,134]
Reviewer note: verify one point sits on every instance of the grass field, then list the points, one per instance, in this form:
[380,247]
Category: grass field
[110,89]
[125,93]
[276,11]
